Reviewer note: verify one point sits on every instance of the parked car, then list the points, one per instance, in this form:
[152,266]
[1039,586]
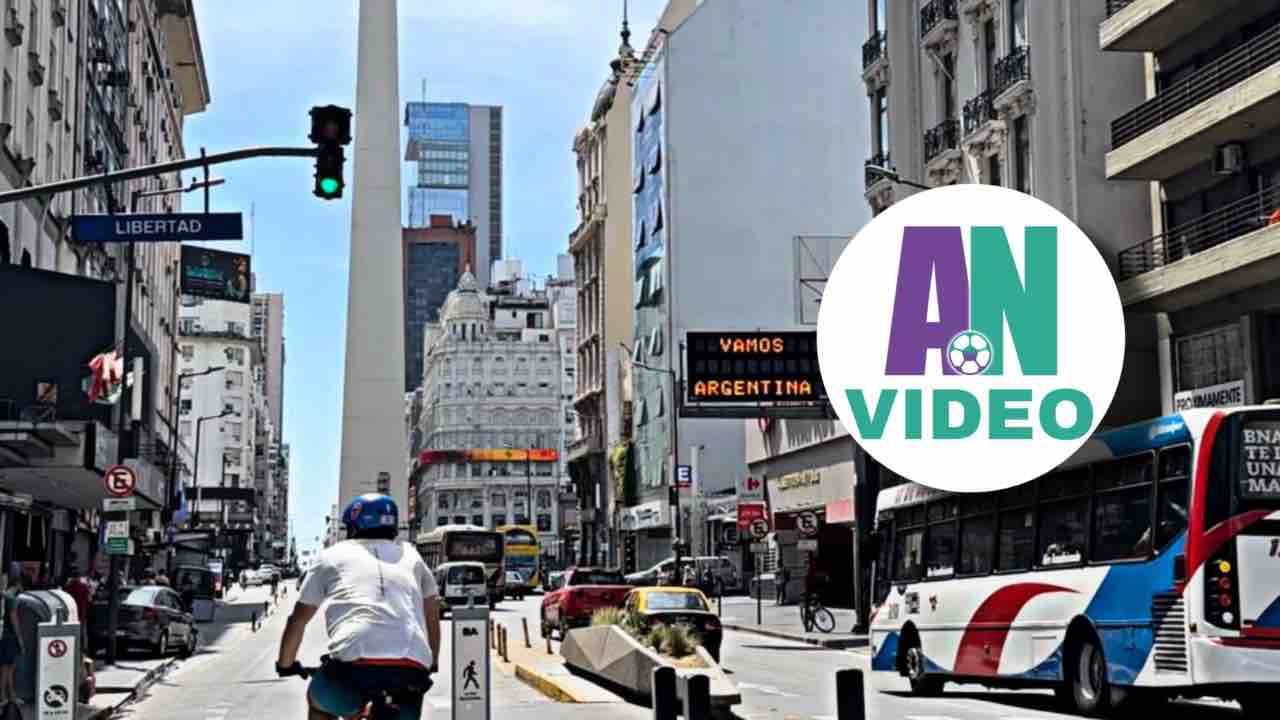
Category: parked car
[458,581]
[254,578]
[676,606]
[269,572]
[720,568]
[584,591]
[151,616]
[517,586]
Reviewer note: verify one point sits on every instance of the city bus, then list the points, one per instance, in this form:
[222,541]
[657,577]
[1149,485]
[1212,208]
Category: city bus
[1147,564]
[455,543]
[523,553]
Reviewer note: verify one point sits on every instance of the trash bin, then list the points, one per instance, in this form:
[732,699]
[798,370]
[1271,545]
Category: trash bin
[35,607]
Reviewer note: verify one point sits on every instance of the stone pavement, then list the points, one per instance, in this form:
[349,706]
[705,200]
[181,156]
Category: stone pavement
[739,613]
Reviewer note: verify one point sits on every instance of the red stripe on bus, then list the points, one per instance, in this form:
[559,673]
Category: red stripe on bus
[1257,643]
[1196,549]
[980,647]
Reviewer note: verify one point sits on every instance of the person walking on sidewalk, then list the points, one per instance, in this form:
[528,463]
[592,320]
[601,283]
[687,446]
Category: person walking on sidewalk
[11,645]
[781,578]
[275,587]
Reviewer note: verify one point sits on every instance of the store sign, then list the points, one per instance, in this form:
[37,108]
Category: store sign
[432,457]
[649,515]
[753,367]
[1260,464]
[215,275]
[840,511]
[1229,394]
[749,513]
[751,489]
[797,480]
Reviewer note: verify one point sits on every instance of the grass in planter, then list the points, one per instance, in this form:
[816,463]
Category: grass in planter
[610,616]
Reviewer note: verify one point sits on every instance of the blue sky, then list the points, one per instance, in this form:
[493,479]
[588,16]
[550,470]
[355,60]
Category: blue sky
[269,61]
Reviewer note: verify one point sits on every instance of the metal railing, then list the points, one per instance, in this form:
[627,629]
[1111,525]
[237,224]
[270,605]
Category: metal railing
[942,137]
[1012,69]
[880,159]
[978,110]
[935,12]
[1227,70]
[1230,221]
[873,49]
[1115,6]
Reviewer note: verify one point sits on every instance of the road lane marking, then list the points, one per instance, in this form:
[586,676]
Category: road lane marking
[766,689]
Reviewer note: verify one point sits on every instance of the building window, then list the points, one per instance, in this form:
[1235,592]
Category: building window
[881,111]
[235,355]
[947,81]
[234,379]
[233,430]
[544,523]
[1209,358]
[1017,24]
[499,520]
[881,15]
[993,171]
[188,352]
[6,112]
[990,54]
[184,407]
[184,427]
[1022,155]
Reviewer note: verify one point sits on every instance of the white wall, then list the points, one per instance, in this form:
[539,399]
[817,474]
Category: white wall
[766,129]
[478,194]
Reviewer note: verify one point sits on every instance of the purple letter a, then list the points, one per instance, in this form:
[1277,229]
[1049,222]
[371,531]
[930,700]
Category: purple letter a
[930,256]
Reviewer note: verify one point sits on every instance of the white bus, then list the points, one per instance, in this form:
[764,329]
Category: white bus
[1150,560]
[456,543]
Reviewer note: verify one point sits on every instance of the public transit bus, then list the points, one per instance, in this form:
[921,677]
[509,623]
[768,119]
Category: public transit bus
[1150,560]
[523,553]
[456,543]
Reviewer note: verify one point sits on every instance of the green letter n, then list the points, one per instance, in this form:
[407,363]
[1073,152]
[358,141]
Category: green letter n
[997,294]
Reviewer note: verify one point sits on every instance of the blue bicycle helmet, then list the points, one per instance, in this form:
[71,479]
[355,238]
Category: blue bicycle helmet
[370,512]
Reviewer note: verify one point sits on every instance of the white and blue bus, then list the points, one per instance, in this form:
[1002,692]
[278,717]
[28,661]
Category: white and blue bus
[1148,563]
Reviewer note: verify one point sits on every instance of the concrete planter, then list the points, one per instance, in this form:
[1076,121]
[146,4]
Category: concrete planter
[609,653]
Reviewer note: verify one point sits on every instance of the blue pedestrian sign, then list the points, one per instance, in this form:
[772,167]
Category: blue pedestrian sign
[171,227]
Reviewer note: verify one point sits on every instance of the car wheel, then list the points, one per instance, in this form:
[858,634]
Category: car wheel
[1086,677]
[162,646]
[922,683]
[189,648]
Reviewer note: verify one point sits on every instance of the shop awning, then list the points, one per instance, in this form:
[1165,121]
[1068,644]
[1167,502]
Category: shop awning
[68,487]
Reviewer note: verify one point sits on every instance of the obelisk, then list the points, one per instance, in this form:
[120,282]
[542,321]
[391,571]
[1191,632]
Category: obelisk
[373,434]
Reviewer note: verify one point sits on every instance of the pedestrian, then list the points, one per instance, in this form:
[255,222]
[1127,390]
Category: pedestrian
[78,588]
[275,585]
[782,577]
[162,579]
[11,645]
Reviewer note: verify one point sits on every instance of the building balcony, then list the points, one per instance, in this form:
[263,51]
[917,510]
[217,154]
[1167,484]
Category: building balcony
[938,24]
[588,228]
[1229,249]
[976,12]
[879,189]
[983,129]
[1234,98]
[583,446]
[35,68]
[942,157]
[875,61]
[1012,86]
[1154,25]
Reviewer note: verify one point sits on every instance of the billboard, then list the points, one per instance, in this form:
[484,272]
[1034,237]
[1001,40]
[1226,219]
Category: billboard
[753,367]
[215,274]
[432,457]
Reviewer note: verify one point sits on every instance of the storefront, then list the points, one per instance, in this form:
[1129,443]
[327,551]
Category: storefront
[808,538]
[650,526]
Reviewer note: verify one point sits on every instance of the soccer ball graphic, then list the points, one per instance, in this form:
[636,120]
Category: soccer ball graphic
[969,352]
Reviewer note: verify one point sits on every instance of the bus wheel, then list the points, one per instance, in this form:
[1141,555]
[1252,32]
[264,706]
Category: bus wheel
[1087,678]
[921,682]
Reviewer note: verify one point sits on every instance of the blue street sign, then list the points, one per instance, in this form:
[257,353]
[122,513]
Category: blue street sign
[172,227]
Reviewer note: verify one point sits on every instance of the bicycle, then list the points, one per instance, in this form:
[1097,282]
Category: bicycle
[814,615]
[379,705]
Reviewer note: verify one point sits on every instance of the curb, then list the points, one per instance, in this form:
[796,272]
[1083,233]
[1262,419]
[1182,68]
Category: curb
[545,684]
[832,644]
[150,678]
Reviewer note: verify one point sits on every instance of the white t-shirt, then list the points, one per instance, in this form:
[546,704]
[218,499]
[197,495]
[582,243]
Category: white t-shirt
[375,590]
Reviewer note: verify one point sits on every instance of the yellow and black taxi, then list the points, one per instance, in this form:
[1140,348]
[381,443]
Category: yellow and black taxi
[676,606]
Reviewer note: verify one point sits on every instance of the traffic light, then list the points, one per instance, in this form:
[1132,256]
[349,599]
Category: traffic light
[629,552]
[330,131]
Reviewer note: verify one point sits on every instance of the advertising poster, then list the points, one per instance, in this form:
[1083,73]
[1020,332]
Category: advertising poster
[215,274]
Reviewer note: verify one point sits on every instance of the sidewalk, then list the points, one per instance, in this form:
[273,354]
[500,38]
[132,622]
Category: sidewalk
[133,674]
[739,613]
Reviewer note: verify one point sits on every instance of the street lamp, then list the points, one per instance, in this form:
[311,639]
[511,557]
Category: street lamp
[199,494]
[170,505]
[675,451]
[892,176]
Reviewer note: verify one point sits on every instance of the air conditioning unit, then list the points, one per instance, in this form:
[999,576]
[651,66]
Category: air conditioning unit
[1228,159]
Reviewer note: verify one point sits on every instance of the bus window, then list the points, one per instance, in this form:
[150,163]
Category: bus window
[977,540]
[1122,509]
[906,554]
[1063,517]
[884,537]
[1016,537]
[940,546]
[1172,497]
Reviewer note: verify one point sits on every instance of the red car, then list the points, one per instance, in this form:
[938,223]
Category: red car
[581,593]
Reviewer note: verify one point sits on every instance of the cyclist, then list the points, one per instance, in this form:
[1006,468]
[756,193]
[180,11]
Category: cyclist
[383,617]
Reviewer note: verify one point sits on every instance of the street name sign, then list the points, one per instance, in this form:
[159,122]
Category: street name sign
[169,227]
[120,481]
[124,504]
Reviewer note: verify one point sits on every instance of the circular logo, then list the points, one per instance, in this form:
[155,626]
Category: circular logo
[971,338]
[57,648]
[56,696]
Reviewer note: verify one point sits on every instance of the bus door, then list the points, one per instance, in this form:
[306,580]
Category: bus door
[1257,510]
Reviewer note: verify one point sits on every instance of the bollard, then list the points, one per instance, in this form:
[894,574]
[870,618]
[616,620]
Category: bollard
[505,657]
[665,701]
[493,635]
[851,701]
[697,697]
[255,621]
[524,621]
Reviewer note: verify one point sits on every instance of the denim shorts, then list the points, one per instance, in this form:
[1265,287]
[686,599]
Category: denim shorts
[342,690]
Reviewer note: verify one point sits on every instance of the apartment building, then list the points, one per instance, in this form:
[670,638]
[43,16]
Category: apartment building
[1203,140]
[1012,93]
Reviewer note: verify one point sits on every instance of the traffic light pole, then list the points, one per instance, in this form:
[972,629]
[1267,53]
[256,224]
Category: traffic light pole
[204,161]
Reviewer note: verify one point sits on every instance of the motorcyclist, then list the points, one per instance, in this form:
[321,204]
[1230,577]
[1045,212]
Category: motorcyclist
[383,617]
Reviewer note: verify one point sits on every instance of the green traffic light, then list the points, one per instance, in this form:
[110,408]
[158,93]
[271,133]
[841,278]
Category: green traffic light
[329,186]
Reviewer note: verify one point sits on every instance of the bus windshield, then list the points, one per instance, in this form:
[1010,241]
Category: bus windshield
[1258,483]
[483,547]
[521,537]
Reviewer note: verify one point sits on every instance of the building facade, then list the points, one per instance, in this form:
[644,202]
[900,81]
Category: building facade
[458,150]
[1202,139]
[562,310]
[491,413]
[718,226]
[88,86]
[435,257]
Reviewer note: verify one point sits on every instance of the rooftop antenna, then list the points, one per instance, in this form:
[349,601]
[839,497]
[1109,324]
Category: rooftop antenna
[424,89]
[626,28]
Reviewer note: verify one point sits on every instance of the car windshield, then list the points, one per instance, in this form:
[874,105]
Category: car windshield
[674,601]
[138,596]
[597,577]
[465,575]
